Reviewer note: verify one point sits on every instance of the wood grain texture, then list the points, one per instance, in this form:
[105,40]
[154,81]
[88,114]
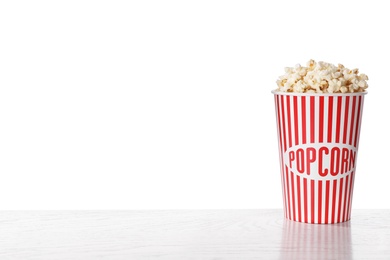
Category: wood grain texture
[189,234]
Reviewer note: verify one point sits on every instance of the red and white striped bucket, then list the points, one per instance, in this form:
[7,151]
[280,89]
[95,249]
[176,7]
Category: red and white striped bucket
[318,137]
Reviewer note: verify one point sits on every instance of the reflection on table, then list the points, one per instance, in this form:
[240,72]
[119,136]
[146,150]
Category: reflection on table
[316,241]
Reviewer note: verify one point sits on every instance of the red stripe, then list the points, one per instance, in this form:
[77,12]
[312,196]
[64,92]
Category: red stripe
[312,201]
[283,122]
[358,121]
[289,129]
[299,198]
[288,193]
[321,123]
[305,197]
[327,202]
[330,115]
[334,200]
[293,195]
[312,118]
[289,121]
[319,201]
[352,130]
[346,119]
[340,199]
[339,100]
[303,100]
[296,119]
[284,149]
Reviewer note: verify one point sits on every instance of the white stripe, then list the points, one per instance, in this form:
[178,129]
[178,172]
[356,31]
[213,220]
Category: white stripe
[299,110]
[284,97]
[341,130]
[292,121]
[326,110]
[308,115]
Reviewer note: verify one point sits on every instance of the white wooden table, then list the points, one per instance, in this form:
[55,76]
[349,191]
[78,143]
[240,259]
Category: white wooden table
[189,234]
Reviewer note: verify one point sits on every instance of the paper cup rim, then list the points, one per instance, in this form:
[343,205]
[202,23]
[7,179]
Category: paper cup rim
[275,92]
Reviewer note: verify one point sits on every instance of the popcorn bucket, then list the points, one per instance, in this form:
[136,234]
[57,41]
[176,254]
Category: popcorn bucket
[318,137]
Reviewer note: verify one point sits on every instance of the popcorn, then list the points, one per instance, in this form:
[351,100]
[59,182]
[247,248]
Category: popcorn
[321,77]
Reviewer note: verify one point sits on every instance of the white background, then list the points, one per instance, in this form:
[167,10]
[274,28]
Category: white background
[168,104]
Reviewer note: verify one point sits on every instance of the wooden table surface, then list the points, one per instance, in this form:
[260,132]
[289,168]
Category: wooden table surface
[189,234]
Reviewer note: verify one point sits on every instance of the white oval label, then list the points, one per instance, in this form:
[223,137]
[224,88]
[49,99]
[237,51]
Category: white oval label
[321,161]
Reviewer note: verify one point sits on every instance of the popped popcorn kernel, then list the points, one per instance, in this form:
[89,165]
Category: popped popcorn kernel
[321,77]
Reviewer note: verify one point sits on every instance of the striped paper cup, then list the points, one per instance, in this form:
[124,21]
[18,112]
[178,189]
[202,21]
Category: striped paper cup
[318,137]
